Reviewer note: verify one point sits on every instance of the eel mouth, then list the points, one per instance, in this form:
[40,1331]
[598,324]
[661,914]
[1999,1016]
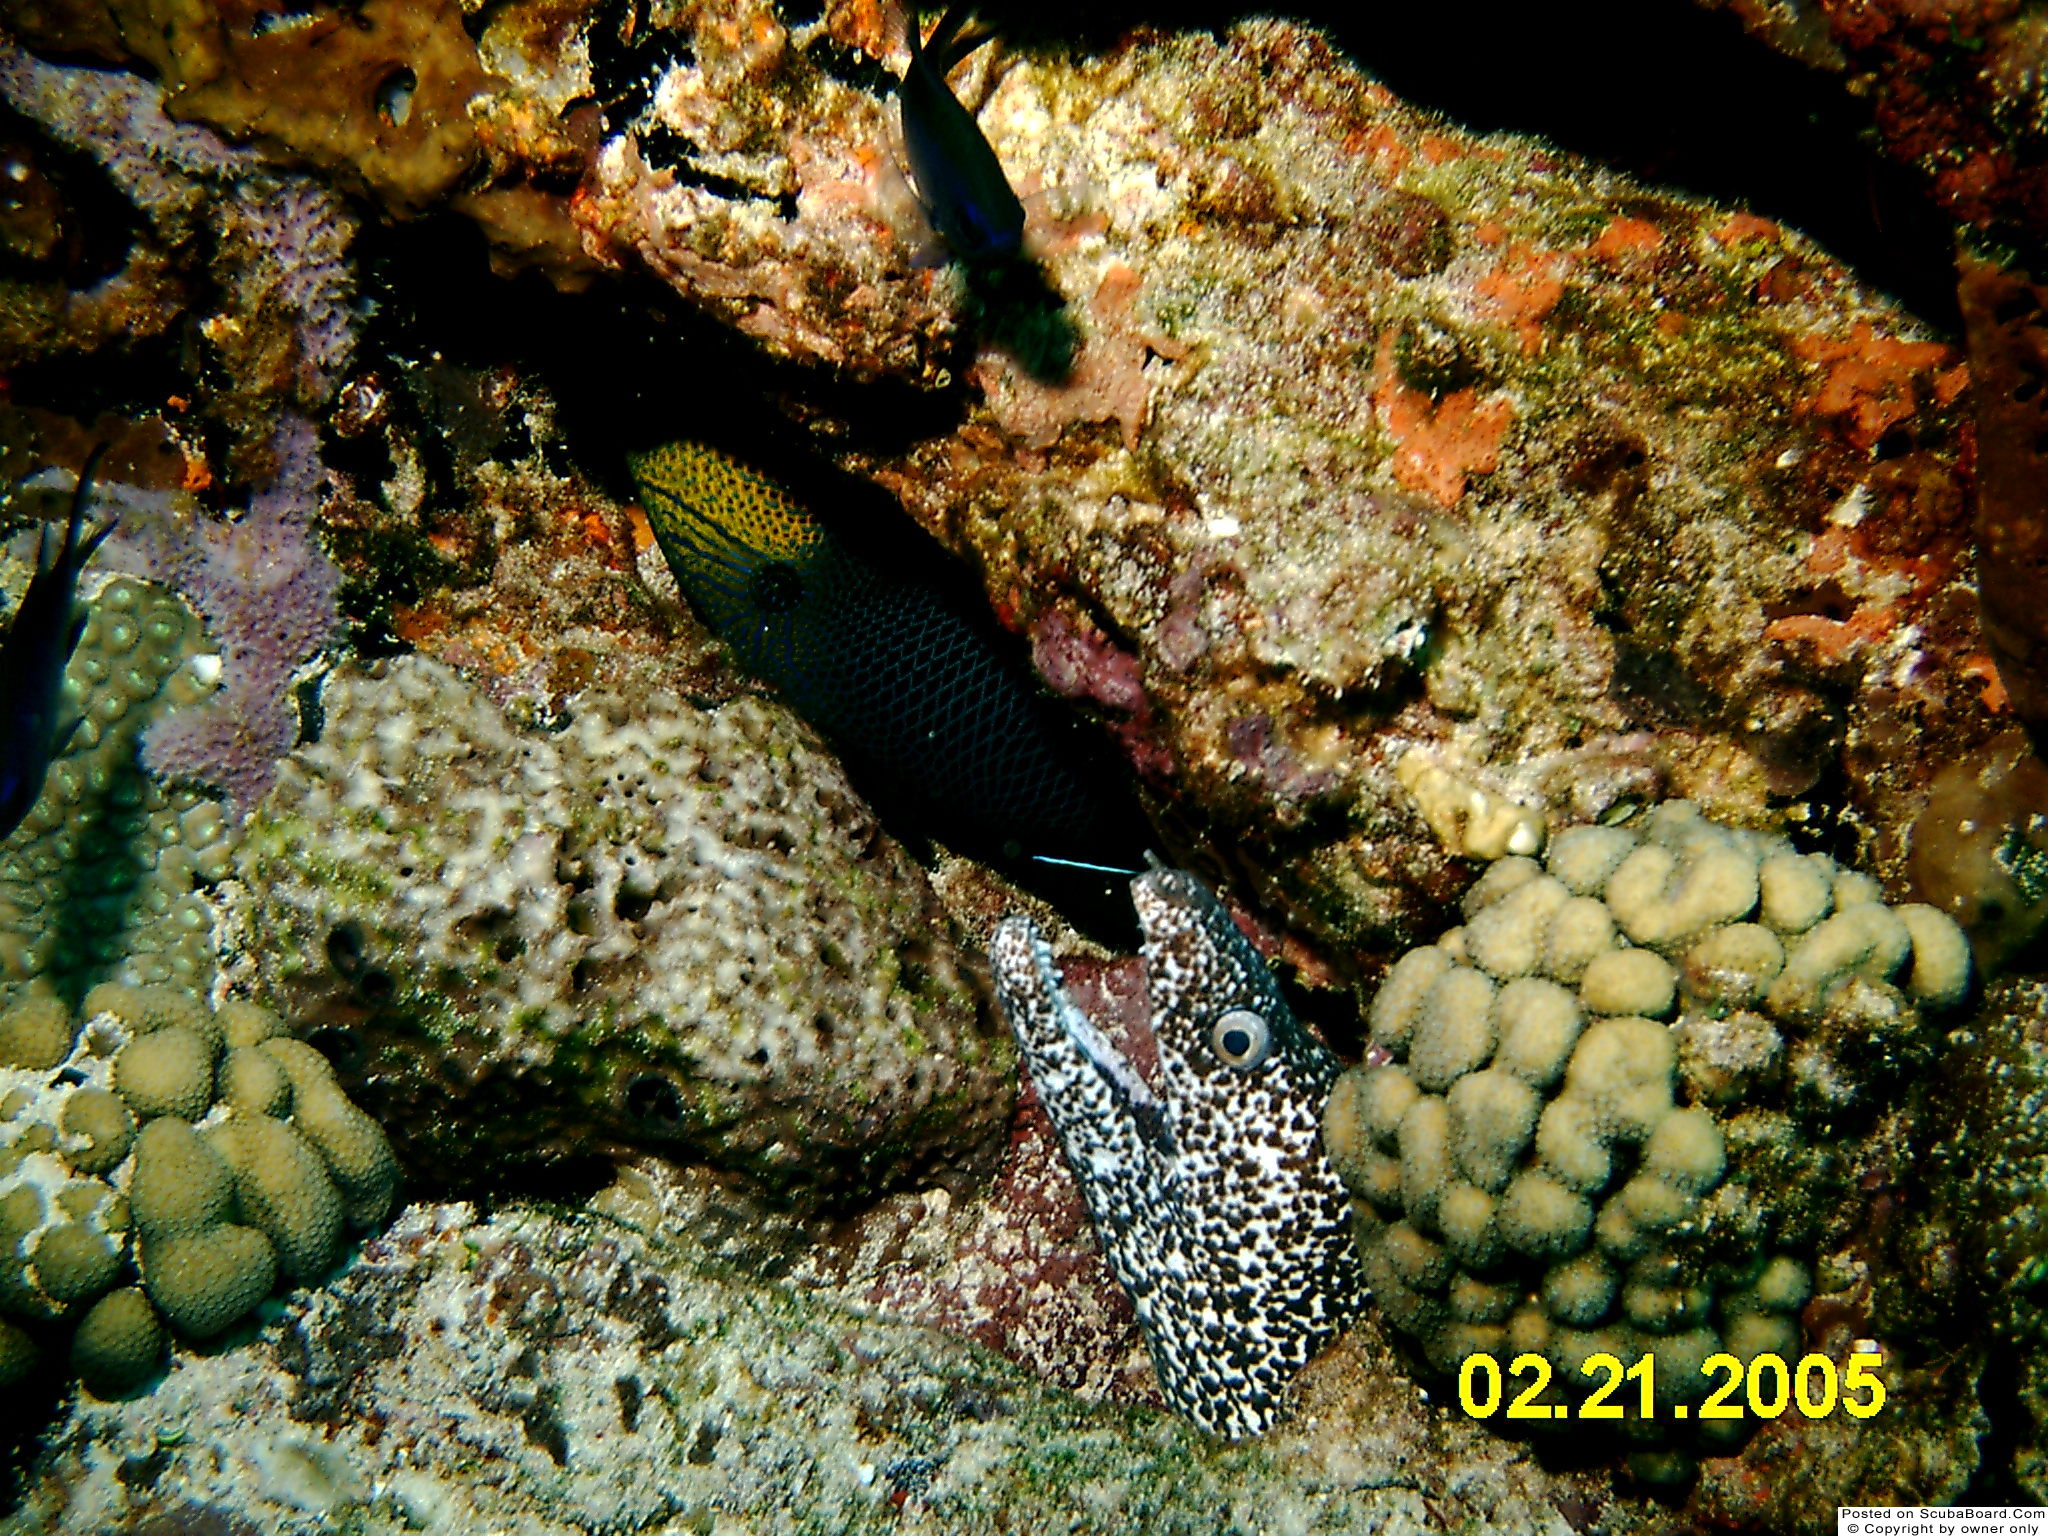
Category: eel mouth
[1045,1016]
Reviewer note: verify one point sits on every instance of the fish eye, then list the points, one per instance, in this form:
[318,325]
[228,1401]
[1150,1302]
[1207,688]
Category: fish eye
[1241,1039]
[775,588]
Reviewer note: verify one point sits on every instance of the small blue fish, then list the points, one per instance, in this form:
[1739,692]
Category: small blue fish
[40,639]
[960,183]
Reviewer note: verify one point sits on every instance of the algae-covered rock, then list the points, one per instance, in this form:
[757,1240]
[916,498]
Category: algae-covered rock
[1376,433]
[661,925]
[614,1377]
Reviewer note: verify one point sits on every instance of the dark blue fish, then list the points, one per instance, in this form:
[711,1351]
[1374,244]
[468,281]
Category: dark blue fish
[935,722]
[40,639]
[960,183]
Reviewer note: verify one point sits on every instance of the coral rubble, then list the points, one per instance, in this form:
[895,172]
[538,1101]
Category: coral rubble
[660,926]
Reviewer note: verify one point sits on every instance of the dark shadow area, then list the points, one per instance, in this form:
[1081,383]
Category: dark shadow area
[1015,309]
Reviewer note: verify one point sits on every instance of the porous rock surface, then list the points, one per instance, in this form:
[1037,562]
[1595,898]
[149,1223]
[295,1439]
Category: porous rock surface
[559,1373]
[661,925]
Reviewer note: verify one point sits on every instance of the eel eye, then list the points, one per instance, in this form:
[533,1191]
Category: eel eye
[1241,1039]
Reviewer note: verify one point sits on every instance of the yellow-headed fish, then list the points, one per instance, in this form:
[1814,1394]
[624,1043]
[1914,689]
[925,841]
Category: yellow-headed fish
[913,693]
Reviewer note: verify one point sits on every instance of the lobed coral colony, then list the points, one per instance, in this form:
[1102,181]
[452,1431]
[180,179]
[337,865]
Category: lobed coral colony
[1596,1124]
[104,870]
[1430,529]
[165,1164]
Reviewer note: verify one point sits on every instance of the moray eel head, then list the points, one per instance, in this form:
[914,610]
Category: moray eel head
[1210,1190]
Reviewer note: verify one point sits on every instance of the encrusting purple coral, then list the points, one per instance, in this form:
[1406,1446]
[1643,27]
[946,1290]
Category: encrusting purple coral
[119,120]
[279,253]
[267,593]
[298,235]
[266,590]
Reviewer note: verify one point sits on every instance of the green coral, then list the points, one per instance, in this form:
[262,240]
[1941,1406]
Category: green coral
[1623,1102]
[100,879]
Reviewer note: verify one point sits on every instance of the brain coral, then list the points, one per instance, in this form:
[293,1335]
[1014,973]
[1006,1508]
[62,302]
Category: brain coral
[100,878]
[659,925]
[1611,1111]
[116,1161]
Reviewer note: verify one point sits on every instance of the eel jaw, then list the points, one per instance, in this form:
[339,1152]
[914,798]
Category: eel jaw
[1072,1062]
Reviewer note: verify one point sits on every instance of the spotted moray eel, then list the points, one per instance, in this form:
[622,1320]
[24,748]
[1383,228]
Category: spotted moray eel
[1211,1194]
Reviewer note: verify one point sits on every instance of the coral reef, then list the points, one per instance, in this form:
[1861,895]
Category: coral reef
[2003,314]
[1401,470]
[608,1374]
[101,879]
[272,249]
[1980,848]
[773,215]
[1605,1118]
[98,1152]
[1379,436]
[267,593]
[1955,92]
[1264,650]
[658,926]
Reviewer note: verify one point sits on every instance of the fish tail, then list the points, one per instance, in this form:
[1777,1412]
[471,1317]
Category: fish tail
[950,41]
[73,552]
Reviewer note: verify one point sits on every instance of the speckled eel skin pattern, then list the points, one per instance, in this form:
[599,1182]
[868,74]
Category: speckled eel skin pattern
[1210,1193]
